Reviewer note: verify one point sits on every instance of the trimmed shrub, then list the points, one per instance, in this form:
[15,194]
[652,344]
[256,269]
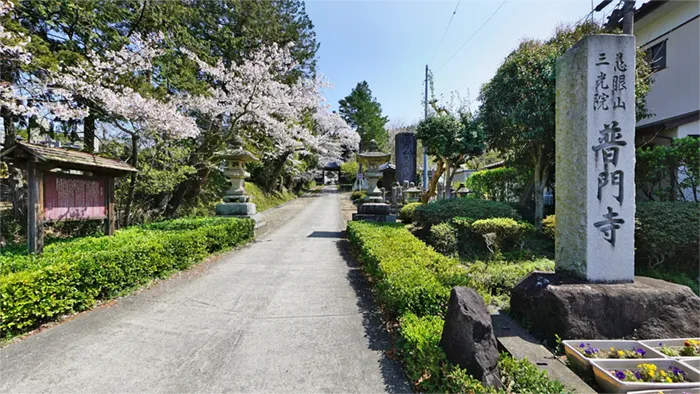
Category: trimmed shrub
[499,184]
[523,377]
[410,276]
[495,280]
[500,233]
[71,276]
[549,225]
[666,236]
[407,211]
[413,282]
[444,210]
[443,237]
[358,195]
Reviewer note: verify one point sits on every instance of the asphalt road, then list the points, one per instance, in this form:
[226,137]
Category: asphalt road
[289,313]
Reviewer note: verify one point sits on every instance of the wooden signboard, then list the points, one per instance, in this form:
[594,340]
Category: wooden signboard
[66,185]
[70,197]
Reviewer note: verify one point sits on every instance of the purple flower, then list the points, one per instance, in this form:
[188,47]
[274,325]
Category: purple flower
[582,345]
[677,371]
[620,375]
[661,344]
[637,375]
[641,352]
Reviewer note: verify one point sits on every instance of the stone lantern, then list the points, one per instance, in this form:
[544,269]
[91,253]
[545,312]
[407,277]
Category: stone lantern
[236,200]
[412,193]
[374,209]
[461,191]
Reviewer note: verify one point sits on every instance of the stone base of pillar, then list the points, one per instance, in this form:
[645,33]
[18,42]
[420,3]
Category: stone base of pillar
[374,217]
[549,304]
[235,209]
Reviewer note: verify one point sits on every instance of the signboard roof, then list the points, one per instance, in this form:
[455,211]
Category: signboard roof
[67,158]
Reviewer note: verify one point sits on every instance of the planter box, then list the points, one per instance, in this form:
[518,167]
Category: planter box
[582,362]
[654,343]
[694,362]
[672,391]
[610,384]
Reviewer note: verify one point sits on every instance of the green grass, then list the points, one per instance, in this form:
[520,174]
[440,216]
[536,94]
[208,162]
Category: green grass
[264,201]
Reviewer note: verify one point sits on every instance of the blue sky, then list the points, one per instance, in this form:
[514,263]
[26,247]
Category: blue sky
[388,43]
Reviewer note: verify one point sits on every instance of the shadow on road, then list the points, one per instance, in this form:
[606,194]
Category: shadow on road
[326,234]
[394,377]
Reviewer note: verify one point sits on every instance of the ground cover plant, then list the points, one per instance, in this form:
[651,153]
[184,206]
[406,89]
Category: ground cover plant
[412,283]
[73,275]
[690,348]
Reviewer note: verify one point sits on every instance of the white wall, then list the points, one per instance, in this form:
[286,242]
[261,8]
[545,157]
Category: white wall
[676,89]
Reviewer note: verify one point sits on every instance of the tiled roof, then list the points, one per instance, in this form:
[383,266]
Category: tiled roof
[68,156]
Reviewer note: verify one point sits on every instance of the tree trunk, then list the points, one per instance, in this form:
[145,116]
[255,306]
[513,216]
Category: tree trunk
[540,181]
[277,171]
[527,192]
[16,175]
[432,185]
[132,181]
[89,133]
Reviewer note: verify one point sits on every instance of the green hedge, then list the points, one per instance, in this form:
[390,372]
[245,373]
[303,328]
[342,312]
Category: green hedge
[666,236]
[407,211]
[443,211]
[71,276]
[410,276]
[412,282]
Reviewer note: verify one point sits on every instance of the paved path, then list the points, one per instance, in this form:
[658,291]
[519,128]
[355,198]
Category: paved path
[287,313]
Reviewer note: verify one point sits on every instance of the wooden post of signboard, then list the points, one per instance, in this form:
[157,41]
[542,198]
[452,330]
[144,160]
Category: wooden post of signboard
[35,209]
[109,206]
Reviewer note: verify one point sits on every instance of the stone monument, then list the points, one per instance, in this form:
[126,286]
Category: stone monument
[595,169]
[405,148]
[594,293]
[374,209]
[236,200]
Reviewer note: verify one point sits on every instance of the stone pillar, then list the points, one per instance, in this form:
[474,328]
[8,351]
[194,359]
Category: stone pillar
[405,148]
[595,156]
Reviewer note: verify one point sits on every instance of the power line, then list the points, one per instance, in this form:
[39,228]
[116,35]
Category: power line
[470,37]
[445,32]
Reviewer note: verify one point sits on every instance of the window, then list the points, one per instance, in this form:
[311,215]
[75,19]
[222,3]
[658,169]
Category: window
[656,56]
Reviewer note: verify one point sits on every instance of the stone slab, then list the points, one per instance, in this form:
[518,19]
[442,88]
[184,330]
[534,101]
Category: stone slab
[550,304]
[236,209]
[595,158]
[521,344]
[374,209]
[405,151]
[374,218]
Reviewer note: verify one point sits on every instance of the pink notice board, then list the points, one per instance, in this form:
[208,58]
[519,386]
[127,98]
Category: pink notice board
[73,197]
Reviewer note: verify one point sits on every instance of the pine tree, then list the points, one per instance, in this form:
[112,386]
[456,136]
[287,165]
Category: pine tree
[363,113]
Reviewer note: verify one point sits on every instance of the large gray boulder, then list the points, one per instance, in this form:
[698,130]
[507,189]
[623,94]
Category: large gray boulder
[550,304]
[467,337]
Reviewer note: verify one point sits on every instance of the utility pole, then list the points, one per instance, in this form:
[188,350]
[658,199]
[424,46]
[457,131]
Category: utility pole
[628,17]
[425,150]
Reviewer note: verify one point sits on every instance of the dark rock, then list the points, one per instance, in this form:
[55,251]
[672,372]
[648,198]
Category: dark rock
[550,304]
[467,337]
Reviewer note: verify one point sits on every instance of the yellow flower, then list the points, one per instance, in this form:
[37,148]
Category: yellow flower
[669,380]
[651,373]
[663,373]
[620,353]
[612,348]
